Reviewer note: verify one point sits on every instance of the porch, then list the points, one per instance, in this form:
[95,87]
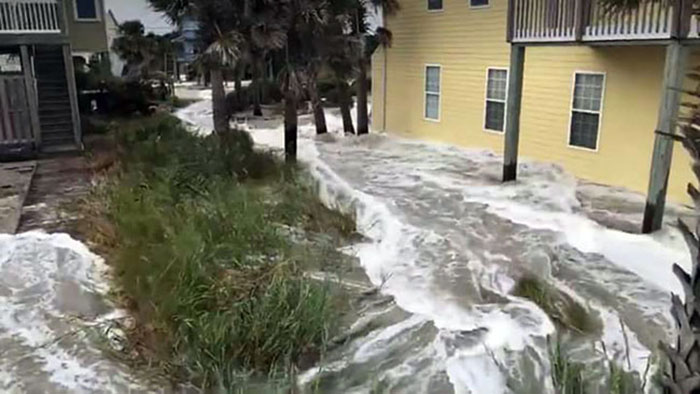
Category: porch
[671,23]
[38,97]
[548,22]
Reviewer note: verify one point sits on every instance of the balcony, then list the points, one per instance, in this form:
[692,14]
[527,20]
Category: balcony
[588,21]
[31,17]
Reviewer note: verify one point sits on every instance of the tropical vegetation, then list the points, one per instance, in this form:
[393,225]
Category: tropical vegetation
[303,36]
[204,239]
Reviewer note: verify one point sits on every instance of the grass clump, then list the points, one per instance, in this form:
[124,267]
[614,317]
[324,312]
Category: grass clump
[567,375]
[572,377]
[558,306]
[621,381]
[193,230]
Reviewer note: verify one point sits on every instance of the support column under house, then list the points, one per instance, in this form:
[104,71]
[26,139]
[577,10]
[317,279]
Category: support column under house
[674,69]
[513,101]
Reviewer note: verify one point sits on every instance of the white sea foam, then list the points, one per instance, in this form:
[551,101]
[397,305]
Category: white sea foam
[401,191]
[52,292]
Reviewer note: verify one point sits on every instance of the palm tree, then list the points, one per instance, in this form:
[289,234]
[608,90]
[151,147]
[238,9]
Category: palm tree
[312,89]
[138,50]
[364,52]
[305,19]
[682,375]
[349,56]
[225,51]
[339,60]
[219,34]
[263,25]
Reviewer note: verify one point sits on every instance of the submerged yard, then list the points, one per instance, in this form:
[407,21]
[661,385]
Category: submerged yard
[492,288]
[212,243]
[231,273]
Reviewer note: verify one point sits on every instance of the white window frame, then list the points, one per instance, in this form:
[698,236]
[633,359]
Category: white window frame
[425,93]
[442,8]
[599,112]
[479,7]
[98,12]
[487,99]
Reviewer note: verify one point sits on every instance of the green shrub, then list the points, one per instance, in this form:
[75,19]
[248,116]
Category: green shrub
[200,254]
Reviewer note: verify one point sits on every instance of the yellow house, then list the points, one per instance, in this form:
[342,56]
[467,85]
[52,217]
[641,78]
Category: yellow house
[588,84]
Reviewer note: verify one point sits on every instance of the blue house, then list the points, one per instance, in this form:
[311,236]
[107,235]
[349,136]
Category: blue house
[187,45]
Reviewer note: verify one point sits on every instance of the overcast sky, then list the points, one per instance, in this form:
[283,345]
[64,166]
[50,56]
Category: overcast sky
[125,10]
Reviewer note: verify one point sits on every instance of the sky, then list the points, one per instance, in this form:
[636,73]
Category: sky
[125,10]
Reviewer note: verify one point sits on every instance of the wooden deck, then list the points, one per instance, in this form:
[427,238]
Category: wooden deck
[589,21]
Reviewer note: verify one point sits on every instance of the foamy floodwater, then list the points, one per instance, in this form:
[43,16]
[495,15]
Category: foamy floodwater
[53,312]
[449,241]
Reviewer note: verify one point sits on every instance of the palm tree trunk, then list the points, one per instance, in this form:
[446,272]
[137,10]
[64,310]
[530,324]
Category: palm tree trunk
[218,95]
[290,127]
[362,115]
[344,98]
[257,88]
[238,82]
[319,115]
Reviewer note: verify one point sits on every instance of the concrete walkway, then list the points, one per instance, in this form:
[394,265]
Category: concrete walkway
[59,182]
[15,180]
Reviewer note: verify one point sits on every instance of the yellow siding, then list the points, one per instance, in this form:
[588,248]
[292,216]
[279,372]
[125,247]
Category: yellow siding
[465,42]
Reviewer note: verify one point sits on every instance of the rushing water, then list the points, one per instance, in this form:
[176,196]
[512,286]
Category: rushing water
[52,309]
[448,243]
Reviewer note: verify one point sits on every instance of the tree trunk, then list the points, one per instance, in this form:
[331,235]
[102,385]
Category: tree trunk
[319,115]
[238,82]
[362,115]
[344,98]
[257,88]
[218,95]
[290,128]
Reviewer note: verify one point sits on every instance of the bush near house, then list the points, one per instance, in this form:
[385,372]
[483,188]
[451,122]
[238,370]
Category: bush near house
[198,233]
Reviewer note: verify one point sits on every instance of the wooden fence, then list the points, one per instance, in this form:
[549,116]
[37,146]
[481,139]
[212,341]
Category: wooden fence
[15,118]
[30,16]
[532,21]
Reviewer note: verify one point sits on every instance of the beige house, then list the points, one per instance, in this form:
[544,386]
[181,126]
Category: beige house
[38,97]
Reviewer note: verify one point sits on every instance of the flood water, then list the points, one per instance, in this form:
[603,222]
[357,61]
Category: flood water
[445,245]
[448,242]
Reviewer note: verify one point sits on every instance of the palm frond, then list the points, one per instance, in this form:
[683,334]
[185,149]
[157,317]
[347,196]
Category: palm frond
[226,50]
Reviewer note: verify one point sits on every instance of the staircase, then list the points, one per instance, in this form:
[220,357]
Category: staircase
[55,113]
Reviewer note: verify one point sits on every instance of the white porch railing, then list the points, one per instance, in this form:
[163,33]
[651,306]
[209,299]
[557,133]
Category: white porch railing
[30,16]
[550,21]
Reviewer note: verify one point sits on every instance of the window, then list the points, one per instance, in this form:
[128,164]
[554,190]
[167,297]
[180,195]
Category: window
[434,5]
[496,88]
[432,92]
[86,10]
[586,110]
[478,3]
[10,61]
